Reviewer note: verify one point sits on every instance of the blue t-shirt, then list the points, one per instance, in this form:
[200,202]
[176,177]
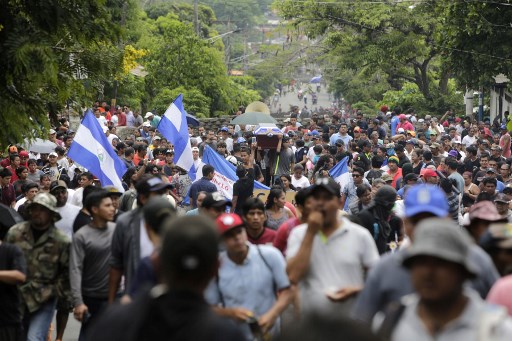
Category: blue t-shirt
[394,123]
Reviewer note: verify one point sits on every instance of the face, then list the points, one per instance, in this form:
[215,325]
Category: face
[24,174]
[62,196]
[52,159]
[105,210]
[245,156]
[280,202]
[436,280]
[484,162]
[45,182]
[255,219]
[492,164]
[366,198]
[504,170]
[31,193]
[343,129]
[297,173]
[6,180]
[490,188]
[285,182]
[358,177]
[434,180]
[16,162]
[327,204]
[195,154]
[235,240]
[467,179]
[40,216]
[32,167]
[84,181]
[200,198]
[502,207]
[393,166]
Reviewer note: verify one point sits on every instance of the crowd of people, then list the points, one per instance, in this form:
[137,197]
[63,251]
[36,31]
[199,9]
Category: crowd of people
[414,244]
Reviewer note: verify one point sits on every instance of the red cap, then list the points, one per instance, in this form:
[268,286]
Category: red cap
[23,153]
[228,221]
[402,117]
[429,173]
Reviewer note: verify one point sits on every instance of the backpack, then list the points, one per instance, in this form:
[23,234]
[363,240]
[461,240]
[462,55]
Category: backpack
[374,174]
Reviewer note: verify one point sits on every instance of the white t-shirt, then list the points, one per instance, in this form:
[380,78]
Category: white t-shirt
[146,246]
[336,262]
[102,120]
[303,182]
[68,213]
[468,140]
[78,197]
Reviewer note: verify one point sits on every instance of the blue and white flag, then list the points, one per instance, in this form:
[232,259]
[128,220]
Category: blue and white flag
[225,173]
[91,149]
[174,128]
[340,172]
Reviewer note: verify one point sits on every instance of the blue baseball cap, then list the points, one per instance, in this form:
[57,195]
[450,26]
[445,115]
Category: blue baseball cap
[241,140]
[425,199]
[314,133]
[224,129]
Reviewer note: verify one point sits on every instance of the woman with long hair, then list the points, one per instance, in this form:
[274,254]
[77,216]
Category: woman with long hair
[286,183]
[275,210]
[323,165]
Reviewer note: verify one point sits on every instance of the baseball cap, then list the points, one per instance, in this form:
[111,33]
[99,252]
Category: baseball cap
[435,145]
[148,114]
[500,197]
[23,153]
[241,140]
[157,138]
[146,124]
[58,184]
[228,221]
[503,127]
[484,210]
[215,199]
[433,133]
[357,129]
[453,153]
[156,210]
[169,151]
[328,184]
[410,177]
[52,131]
[53,154]
[386,177]
[428,117]
[425,199]
[501,234]
[402,117]
[156,184]
[47,200]
[490,170]
[339,142]
[401,130]
[195,149]
[314,133]
[112,190]
[441,238]
[429,173]
[495,147]
[224,129]
[411,132]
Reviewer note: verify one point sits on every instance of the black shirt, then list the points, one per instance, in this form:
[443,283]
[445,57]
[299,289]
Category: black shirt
[81,219]
[242,189]
[11,258]
[175,315]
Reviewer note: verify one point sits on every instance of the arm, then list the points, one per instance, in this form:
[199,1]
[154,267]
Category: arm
[233,204]
[343,200]
[76,261]
[12,277]
[299,264]
[280,136]
[113,283]
[193,196]
[268,319]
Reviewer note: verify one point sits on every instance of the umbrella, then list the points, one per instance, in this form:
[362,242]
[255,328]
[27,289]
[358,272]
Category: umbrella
[316,79]
[253,118]
[192,120]
[8,218]
[40,146]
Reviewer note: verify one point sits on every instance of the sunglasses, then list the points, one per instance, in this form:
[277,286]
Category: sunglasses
[356,175]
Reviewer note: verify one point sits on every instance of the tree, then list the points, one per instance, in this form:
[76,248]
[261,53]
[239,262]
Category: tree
[475,37]
[394,40]
[52,51]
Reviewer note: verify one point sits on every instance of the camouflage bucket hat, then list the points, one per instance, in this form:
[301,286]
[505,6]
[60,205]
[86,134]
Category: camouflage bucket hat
[49,201]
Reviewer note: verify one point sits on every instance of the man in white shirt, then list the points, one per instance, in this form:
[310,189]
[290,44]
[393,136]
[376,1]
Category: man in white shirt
[100,118]
[86,179]
[328,256]
[68,212]
[470,138]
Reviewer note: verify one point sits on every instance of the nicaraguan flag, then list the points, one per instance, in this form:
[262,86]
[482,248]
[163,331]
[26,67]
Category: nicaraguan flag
[340,172]
[225,173]
[91,149]
[174,128]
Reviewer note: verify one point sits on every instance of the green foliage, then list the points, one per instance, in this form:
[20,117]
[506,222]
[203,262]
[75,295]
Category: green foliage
[475,36]
[46,48]
[194,101]
[376,47]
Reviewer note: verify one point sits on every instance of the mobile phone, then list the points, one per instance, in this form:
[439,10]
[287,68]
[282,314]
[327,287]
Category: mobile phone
[253,139]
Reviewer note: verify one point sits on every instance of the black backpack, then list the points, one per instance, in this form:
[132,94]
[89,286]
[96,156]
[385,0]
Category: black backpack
[374,174]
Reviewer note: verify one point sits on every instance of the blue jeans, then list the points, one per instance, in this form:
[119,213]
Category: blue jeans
[95,307]
[40,320]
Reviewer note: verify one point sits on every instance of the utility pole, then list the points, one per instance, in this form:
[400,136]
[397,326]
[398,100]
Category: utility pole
[196,18]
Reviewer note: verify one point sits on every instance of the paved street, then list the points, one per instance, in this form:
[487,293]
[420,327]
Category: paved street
[291,99]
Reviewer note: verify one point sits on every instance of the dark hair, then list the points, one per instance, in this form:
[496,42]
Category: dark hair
[471,150]
[488,180]
[207,169]
[156,211]
[94,199]
[12,157]
[485,155]
[19,170]
[5,172]
[241,171]
[451,163]
[88,175]
[31,161]
[359,170]
[190,250]
[28,186]
[299,143]
[128,151]
[483,196]
[377,161]
[301,196]
[362,189]
[427,155]
[253,204]
[127,177]
[289,178]
[446,185]
[275,193]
